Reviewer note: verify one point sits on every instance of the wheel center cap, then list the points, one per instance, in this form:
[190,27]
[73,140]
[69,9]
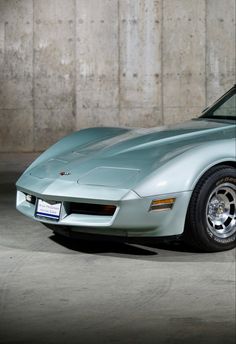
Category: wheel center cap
[216,209]
[220,209]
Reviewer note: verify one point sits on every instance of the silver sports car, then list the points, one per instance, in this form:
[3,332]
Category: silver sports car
[172,181]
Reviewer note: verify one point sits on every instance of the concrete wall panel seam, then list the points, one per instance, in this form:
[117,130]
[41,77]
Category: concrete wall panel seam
[71,64]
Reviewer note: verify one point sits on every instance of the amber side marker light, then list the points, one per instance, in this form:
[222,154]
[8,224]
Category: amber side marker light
[162,204]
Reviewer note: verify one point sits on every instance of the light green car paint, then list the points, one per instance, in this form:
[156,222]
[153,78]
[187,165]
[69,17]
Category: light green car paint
[127,168]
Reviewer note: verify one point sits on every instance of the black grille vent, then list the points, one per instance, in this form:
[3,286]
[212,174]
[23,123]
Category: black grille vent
[92,209]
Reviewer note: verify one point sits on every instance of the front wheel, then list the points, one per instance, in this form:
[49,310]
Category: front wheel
[211,218]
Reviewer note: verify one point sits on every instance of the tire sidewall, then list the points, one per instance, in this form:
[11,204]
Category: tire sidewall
[204,232]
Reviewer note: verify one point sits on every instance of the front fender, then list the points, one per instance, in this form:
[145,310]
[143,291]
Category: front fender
[183,172]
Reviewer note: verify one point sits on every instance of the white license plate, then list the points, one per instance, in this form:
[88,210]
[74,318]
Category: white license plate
[48,209]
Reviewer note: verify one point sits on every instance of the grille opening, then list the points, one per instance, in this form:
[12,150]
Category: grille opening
[92,209]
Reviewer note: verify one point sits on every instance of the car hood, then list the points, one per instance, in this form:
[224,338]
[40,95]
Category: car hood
[123,159]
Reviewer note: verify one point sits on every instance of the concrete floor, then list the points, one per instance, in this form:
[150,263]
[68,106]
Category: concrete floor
[62,291]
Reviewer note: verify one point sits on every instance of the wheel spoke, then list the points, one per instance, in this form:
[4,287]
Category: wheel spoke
[220,210]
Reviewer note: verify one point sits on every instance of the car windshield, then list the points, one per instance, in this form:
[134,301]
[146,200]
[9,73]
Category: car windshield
[225,108]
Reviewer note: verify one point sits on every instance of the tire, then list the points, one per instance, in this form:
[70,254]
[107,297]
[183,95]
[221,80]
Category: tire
[211,217]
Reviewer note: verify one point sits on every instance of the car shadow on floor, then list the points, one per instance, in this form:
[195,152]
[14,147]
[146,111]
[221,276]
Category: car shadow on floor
[173,251]
[101,246]
[124,249]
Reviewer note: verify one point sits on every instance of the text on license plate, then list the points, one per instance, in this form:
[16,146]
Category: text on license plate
[48,209]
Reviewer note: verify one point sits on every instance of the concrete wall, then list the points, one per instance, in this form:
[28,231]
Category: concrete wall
[70,64]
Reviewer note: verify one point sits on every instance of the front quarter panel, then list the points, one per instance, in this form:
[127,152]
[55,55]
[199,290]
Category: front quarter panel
[183,172]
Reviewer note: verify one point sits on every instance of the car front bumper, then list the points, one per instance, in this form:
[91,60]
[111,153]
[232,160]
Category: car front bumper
[132,216]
